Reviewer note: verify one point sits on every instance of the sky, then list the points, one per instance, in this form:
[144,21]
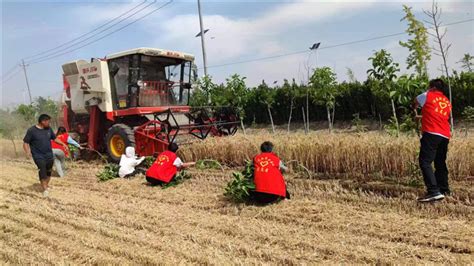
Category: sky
[264,36]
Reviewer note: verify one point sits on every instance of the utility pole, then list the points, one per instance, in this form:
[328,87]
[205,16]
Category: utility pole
[204,59]
[26,78]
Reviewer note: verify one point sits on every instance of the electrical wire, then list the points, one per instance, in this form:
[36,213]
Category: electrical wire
[11,76]
[328,47]
[94,35]
[87,33]
[9,71]
[102,37]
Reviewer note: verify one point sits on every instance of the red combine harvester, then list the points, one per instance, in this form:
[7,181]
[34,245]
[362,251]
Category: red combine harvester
[139,98]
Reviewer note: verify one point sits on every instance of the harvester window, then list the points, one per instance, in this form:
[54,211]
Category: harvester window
[148,81]
[120,66]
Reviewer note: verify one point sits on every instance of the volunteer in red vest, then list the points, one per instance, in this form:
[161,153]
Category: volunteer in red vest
[60,152]
[268,178]
[436,129]
[166,166]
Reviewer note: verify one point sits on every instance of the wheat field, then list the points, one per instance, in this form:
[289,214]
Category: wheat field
[356,155]
[126,222]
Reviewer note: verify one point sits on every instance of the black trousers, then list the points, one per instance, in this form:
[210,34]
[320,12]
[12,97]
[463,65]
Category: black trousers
[155,182]
[45,167]
[265,198]
[434,149]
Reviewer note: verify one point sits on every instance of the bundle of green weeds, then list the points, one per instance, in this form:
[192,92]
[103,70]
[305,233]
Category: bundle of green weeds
[178,179]
[240,187]
[110,171]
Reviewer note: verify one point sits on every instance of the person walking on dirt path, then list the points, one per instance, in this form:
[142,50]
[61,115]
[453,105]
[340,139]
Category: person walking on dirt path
[269,182]
[60,152]
[436,132]
[166,166]
[37,144]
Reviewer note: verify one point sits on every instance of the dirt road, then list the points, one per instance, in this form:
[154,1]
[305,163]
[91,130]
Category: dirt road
[126,222]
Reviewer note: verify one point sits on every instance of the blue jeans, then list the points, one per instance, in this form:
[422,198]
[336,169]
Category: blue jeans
[59,162]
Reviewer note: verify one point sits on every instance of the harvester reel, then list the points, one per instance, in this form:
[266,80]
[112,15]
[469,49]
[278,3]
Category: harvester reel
[227,121]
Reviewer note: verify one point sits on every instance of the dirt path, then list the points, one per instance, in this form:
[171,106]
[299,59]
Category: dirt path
[127,222]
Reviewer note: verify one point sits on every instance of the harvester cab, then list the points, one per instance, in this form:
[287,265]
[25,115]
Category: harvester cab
[139,97]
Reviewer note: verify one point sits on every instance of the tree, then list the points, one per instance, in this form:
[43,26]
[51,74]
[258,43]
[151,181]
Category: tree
[236,95]
[418,45]
[435,16]
[324,91]
[265,95]
[27,112]
[384,70]
[467,62]
[11,126]
[47,106]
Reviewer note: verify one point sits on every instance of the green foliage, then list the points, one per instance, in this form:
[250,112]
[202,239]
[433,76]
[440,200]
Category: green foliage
[323,84]
[368,98]
[408,125]
[407,88]
[149,160]
[41,105]
[239,188]
[384,69]
[110,171]
[391,127]
[46,106]
[358,124]
[27,112]
[468,113]
[208,164]
[178,179]
[11,125]
[418,45]
[233,93]
[467,62]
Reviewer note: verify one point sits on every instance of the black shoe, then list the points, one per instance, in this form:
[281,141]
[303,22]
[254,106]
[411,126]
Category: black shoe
[431,197]
[446,193]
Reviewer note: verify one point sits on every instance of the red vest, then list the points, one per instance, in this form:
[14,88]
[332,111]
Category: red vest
[63,138]
[163,169]
[267,176]
[435,114]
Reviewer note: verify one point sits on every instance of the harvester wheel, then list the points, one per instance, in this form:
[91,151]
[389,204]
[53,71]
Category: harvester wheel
[118,138]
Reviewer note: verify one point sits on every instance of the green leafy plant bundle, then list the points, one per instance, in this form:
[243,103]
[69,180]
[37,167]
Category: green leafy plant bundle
[208,164]
[110,171]
[239,188]
[179,178]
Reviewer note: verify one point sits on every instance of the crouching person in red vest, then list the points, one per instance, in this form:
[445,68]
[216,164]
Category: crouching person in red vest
[166,166]
[268,178]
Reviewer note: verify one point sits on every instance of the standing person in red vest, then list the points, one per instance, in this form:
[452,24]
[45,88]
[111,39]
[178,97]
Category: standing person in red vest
[61,152]
[268,178]
[166,166]
[436,129]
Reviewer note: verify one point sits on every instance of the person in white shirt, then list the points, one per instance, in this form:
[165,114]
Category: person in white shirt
[128,162]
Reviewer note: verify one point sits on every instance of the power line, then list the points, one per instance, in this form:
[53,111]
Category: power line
[96,34]
[9,71]
[329,47]
[87,33]
[4,81]
[102,37]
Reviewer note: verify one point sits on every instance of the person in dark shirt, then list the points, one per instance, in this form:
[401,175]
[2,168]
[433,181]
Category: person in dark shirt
[37,144]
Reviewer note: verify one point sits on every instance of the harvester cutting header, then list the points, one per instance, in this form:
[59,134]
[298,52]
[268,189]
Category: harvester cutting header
[140,98]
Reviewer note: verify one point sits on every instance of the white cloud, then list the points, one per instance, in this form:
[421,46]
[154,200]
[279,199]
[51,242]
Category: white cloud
[262,35]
